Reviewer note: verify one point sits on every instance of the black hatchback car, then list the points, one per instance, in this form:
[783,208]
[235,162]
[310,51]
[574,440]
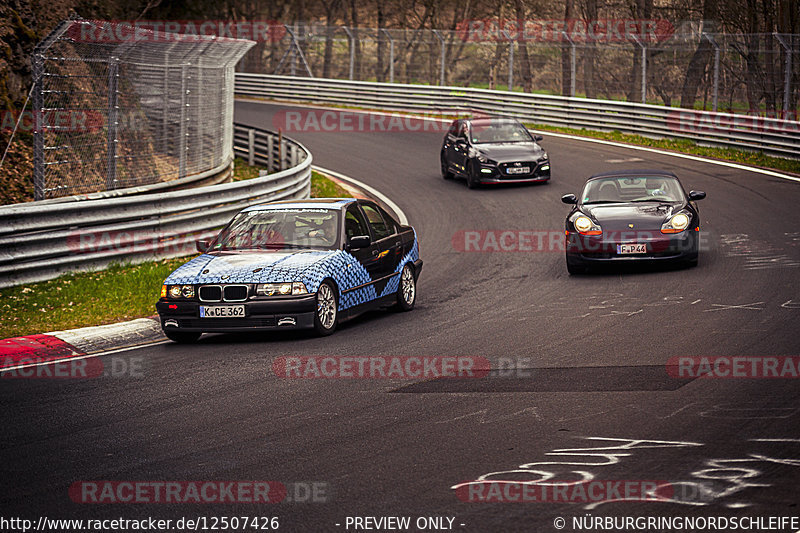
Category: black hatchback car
[632,215]
[493,150]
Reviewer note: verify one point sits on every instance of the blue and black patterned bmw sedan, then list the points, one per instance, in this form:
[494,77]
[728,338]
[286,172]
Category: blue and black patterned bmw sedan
[290,265]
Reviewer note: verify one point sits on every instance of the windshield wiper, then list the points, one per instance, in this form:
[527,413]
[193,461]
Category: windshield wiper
[653,200]
[603,202]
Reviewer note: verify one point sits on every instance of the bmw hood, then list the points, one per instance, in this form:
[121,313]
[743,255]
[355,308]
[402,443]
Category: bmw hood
[643,216]
[247,267]
[509,152]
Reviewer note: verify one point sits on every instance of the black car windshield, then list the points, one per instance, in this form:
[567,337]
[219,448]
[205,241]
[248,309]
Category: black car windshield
[622,189]
[276,229]
[492,131]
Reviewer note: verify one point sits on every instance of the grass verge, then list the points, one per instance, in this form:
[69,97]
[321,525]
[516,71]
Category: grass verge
[121,292]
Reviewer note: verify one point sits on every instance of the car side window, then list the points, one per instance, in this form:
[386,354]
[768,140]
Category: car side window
[391,223]
[453,129]
[354,224]
[379,226]
[463,131]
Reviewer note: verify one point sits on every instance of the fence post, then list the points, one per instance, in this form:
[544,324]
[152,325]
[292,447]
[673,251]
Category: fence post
[787,83]
[352,47]
[713,42]
[38,134]
[270,150]
[251,146]
[182,128]
[644,67]
[113,123]
[391,54]
[443,55]
[510,60]
[572,69]
[280,149]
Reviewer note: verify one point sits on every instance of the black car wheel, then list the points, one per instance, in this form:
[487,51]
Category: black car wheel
[407,289]
[446,174]
[472,180]
[326,317]
[574,268]
[182,337]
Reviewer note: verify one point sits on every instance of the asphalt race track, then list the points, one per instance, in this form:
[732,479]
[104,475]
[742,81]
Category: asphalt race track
[591,353]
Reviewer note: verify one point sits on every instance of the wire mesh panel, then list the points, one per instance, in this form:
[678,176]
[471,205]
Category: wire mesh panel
[118,109]
[675,66]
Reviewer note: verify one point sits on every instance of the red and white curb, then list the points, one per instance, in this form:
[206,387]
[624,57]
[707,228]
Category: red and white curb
[56,346]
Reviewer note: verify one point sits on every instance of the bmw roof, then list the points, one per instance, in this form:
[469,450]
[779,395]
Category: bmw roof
[310,203]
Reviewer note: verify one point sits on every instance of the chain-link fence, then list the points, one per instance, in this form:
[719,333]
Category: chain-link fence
[117,109]
[746,73]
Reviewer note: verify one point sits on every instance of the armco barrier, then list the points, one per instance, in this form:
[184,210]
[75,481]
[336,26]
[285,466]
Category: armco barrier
[769,135]
[42,240]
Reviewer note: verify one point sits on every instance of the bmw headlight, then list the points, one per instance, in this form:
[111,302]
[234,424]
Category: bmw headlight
[677,223]
[177,291]
[585,226]
[281,289]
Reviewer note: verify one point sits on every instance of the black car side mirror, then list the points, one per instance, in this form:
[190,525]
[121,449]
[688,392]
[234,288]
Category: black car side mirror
[537,138]
[358,241]
[202,245]
[696,195]
[569,199]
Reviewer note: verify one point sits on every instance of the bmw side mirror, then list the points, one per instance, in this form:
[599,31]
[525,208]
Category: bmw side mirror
[537,138]
[202,246]
[359,241]
[569,199]
[696,195]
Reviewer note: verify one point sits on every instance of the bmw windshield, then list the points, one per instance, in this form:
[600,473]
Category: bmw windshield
[277,229]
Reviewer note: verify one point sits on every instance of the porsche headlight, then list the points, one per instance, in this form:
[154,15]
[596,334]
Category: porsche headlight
[281,289]
[585,226]
[676,223]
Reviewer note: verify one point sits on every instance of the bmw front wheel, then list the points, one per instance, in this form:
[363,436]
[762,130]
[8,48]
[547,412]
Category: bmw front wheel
[326,317]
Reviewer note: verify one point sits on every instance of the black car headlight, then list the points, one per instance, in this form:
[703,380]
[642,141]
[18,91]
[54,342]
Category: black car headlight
[281,289]
[677,223]
[585,225]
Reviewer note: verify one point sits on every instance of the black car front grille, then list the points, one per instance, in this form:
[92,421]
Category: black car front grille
[210,293]
[235,293]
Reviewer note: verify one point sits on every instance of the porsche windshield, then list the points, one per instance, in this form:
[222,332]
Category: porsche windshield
[493,131]
[619,189]
[276,229]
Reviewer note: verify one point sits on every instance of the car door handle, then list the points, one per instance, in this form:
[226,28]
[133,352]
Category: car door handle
[398,243]
[374,252]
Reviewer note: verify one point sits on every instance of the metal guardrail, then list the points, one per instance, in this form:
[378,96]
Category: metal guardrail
[769,135]
[42,240]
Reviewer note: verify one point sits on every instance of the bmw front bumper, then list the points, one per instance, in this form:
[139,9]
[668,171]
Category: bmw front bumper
[294,312]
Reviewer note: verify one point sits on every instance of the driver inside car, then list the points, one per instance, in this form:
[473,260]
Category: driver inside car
[655,187]
[326,232]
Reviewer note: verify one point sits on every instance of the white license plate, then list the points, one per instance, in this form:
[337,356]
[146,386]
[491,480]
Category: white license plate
[518,170]
[221,311]
[623,249]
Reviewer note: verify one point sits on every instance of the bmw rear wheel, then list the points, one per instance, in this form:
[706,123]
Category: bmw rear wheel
[326,317]
[407,289]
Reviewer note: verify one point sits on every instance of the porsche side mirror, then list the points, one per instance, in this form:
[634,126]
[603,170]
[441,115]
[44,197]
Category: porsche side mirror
[569,199]
[696,195]
[359,241]
[202,245]
[537,138]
